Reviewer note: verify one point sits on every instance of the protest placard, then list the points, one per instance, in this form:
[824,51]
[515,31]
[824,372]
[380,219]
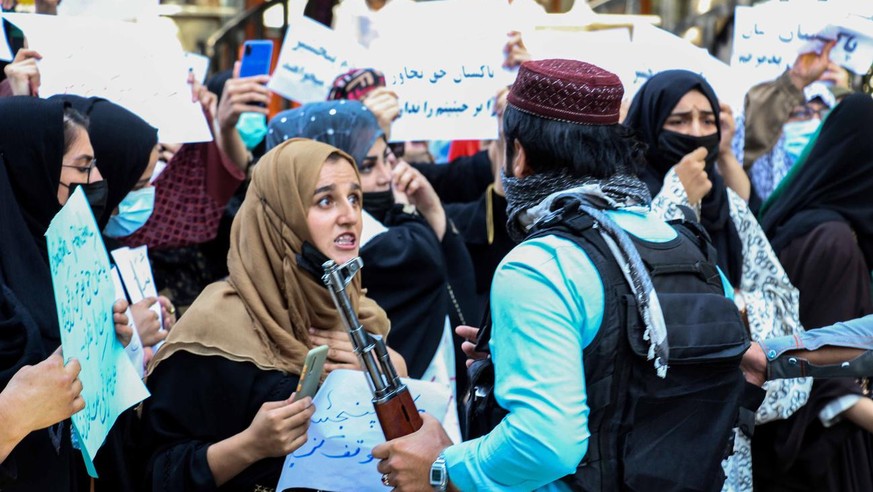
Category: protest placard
[312,56]
[84,295]
[345,428]
[137,66]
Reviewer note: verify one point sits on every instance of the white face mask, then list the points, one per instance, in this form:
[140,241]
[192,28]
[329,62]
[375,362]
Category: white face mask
[797,136]
[133,212]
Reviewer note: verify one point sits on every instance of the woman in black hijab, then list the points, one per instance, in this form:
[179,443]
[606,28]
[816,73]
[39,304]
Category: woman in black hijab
[820,221]
[125,147]
[124,144]
[650,110]
[827,199]
[45,154]
[677,114]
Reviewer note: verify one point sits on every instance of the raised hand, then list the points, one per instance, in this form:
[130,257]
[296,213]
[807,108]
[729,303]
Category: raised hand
[692,173]
[242,95]
[385,106]
[808,67]
[419,192]
[23,73]
[515,50]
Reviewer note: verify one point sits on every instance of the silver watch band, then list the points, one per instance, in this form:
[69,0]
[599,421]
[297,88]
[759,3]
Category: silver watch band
[439,474]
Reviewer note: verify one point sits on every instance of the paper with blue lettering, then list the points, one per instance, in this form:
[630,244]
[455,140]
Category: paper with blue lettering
[445,92]
[312,56]
[768,37]
[854,43]
[84,295]
[344,429]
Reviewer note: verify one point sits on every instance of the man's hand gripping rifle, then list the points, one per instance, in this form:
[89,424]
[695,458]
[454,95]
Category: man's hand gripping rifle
[397,413]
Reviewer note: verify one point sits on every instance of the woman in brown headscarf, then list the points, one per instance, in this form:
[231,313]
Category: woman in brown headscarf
[220,412]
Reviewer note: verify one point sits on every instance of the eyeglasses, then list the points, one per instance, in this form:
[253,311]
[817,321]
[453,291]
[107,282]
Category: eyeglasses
[92,164]
[807,112]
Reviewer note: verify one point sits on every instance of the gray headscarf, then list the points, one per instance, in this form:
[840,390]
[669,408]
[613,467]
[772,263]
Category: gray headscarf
[347,125]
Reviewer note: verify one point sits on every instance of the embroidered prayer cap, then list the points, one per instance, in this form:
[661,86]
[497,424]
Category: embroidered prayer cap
[567,90]
[356,84]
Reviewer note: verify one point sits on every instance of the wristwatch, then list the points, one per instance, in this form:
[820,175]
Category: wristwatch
[439,474]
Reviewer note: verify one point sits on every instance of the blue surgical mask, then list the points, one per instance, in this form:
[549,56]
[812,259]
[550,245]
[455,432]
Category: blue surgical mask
[133,212]
[797,135]
[252,128]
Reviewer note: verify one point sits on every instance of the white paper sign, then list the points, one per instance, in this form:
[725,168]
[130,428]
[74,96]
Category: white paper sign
[134,348]
[854,47]
[137,66]
[344,429]
[312,56]
[109,9]
[136,272]
[656,50]
[371,228]
[573,45]
[768,37]
[445,92]
[198,64]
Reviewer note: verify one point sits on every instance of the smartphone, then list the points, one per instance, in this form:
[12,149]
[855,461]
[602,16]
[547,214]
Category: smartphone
[310,376]
[257,56]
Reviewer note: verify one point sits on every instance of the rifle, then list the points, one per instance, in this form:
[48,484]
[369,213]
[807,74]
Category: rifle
[395,409]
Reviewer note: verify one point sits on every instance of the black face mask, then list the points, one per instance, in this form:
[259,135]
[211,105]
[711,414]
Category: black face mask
[97,193]
[378,203]
[311,260]
[672,147]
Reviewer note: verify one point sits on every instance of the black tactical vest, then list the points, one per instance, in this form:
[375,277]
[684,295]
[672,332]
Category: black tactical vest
[649,433]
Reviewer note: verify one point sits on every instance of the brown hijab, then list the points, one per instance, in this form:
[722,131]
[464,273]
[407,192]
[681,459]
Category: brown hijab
[263,312]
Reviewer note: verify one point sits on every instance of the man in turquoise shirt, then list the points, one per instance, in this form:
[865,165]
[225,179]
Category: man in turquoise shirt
[547,298]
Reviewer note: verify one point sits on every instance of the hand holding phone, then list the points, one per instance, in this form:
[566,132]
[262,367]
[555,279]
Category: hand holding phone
[310,375]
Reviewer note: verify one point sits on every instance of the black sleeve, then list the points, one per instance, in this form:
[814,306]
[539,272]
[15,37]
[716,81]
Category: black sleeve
[197,401]
[409,243]
[7,473]
[462,180]
[20,339]
[404,272]
[460,275]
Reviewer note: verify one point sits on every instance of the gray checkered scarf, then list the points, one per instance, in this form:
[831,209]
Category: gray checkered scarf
[533,197]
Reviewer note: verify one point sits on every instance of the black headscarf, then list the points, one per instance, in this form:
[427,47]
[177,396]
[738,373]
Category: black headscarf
[22,268]
[32,144]
[650,108]
[122,143]
[31,154]
[833,183]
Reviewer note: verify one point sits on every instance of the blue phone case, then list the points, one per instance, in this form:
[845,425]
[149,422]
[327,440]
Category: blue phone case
[256,58]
